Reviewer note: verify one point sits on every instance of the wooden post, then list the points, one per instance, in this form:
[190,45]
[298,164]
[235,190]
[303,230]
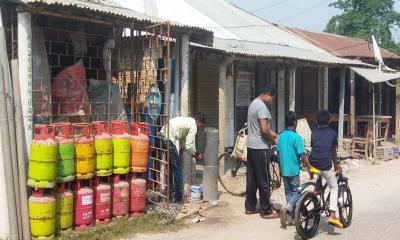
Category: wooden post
[397,120]
[184,98]
[341,107]
[281,99]
[292,88]
[352,103]
[320,88]
[273,107]
[229,103]
[221,106]
[326,88]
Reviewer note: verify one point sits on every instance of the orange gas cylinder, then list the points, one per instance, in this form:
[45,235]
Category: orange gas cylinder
[120,191]
[139,147]
[138,196]
[121,147]
[103,148]
[84,150]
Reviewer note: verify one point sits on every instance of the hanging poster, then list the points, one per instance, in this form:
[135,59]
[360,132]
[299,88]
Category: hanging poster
[244,88]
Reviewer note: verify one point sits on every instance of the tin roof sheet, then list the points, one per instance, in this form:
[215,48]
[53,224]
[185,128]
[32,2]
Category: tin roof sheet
[374,75]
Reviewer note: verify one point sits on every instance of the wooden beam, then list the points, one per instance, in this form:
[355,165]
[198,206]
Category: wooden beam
[281,99]
[397,115]
[326,88]
[292,88]
[352,103]
[341,107]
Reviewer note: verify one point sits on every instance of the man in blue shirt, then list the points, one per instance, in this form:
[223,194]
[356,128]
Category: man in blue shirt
[290,148]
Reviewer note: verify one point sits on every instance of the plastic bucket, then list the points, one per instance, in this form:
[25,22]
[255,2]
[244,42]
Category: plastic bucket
[195,193]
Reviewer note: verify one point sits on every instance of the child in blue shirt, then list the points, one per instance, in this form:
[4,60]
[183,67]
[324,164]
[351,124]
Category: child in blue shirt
[290,148]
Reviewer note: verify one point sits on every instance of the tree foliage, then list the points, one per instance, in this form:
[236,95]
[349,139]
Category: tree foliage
[363,18]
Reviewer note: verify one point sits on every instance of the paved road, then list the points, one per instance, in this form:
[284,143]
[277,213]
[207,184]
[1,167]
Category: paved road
[376,196]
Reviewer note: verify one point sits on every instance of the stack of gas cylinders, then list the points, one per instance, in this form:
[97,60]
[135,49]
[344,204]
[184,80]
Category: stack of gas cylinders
[86,173]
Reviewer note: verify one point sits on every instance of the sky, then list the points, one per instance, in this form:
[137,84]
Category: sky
[311,15]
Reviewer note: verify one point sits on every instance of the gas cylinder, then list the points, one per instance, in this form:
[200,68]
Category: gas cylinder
[102,207]
[138,196]
[66,152]
[103,148]
[84,150]
[64,210]
[139,147]
[120,192]
[121,147]
[42,211]
[43,158]
[83,206]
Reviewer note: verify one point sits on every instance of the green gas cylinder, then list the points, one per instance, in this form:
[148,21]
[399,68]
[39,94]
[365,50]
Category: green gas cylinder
[121,147]
[43,158]
[66,152]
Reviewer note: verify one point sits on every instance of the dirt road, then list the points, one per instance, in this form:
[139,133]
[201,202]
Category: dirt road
[376,196]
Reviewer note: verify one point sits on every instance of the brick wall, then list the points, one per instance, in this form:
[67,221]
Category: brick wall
[57,33]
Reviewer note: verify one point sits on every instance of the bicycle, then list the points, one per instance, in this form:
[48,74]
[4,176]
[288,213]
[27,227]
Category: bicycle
[232,171]
[310,206]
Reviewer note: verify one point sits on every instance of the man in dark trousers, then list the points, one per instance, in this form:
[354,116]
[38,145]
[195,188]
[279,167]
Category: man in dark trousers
[258,151]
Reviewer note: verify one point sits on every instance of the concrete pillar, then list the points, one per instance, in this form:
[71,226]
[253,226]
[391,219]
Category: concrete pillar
[341,107]
[184,98]
[352,103]
[281,99]
[326,87]
[25,72]
[292,88]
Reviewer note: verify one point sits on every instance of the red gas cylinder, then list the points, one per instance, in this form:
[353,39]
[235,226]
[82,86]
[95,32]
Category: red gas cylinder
[138,196]
[102,207]
[139,147]
[120,197]
[83,206]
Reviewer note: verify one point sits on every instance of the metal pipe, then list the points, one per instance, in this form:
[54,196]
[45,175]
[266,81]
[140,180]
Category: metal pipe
[21,151]
[11,126]
[7,155]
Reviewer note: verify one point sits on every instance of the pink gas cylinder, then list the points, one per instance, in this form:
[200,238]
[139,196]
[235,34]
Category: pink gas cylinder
[83,206]
[138,196]
[120,197]
[102,207]
[84,151]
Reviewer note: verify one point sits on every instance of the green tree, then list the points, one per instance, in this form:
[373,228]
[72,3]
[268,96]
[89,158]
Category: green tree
[363,18]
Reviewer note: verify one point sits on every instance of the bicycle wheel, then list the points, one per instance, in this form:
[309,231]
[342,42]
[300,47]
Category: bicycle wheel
[345,203]
[275,177]
[232,174]
[307,215]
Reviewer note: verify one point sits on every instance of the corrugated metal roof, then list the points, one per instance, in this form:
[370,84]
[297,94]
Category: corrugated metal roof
[234,27]
[341,46]
[374,75]
[279,51]
[113,8]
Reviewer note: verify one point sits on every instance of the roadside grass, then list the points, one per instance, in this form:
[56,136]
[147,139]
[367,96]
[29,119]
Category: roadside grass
[125,228]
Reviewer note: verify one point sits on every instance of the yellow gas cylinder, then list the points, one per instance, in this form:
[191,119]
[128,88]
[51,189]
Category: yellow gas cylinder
[43,158]
[64,210]
[103,148]
[84,150]
[42,211]
[121,147]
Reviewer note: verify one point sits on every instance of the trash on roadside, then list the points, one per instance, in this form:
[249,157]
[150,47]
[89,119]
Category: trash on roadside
[198,219]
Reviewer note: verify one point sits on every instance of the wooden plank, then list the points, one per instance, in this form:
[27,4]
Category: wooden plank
[352,103]
[341,107]
[281,99]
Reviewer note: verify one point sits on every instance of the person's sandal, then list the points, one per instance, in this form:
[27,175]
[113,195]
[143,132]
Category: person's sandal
[272,215]
[254,211]
[335,222]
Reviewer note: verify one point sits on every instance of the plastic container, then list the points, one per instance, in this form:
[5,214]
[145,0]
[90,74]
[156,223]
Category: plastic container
[66,152]
[84,150]
[43,157]
[139,147]
[42,212]
[121,147]
[103,149]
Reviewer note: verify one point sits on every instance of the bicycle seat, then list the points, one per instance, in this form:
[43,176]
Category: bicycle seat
[314,171]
